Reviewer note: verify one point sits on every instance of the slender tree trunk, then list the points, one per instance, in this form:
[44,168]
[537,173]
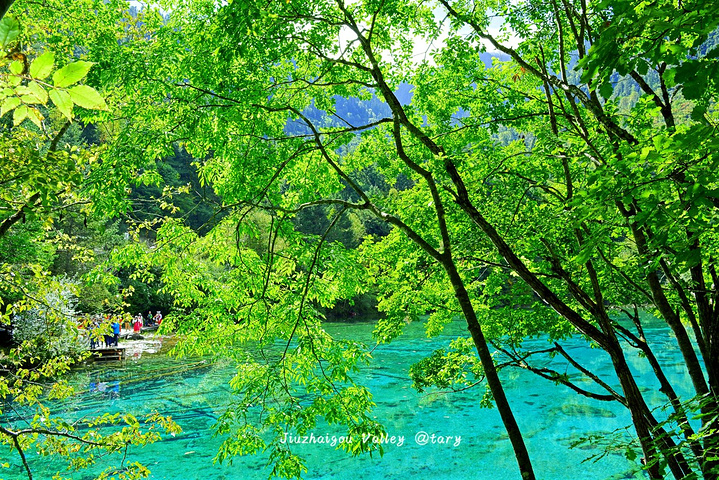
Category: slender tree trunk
[607,340]
[490,371]
[637,407]
[710,462]
[710,407]
[668,390]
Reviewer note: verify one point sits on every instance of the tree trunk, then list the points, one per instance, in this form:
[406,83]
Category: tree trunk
[637,407]
[490,371]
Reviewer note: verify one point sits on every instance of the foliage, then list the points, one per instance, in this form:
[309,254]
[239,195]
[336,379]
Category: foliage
[526,196]
[457,368]
[48,178]
[523,196]
[235,308]
[178,192]
[50,327]
[25,84]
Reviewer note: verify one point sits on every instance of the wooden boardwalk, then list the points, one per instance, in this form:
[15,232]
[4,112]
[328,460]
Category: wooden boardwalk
[108,354]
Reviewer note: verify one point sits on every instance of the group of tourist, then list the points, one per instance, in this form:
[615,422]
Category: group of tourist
[147,321]
[93,323]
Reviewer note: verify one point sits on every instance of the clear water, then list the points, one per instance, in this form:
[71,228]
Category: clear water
[551,418]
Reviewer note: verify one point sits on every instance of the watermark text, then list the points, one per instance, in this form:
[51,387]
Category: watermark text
[421,438]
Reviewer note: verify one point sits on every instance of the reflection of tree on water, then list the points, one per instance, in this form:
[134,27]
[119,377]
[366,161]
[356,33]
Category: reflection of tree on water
[110,389]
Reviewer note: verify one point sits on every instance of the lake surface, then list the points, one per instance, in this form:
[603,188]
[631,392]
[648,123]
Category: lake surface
[552,418]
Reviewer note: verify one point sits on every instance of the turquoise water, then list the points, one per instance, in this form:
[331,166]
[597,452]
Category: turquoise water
[551,418]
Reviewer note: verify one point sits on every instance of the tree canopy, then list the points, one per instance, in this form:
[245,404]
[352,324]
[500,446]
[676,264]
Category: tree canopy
[562,188]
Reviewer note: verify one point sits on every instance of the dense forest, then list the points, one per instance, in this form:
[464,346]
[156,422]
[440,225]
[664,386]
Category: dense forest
[255,170]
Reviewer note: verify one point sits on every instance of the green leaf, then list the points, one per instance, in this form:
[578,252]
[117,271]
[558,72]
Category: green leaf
[87,97]
[23,90]
[9,104]
[630,454]
[20,115]
[37,91]
[42,65]
[9,30]
[584,255]
[698,112]
[35,116]
[29,99]
[71,73]
[62,101]
[16,67]
[606,90]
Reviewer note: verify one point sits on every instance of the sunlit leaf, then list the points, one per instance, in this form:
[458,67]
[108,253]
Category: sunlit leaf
[16,67]
[71,73]
[62,101]
[9,30]
[38,92]
[20,114]
[9,104]
[42,66]
[34,115]
[87,97]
